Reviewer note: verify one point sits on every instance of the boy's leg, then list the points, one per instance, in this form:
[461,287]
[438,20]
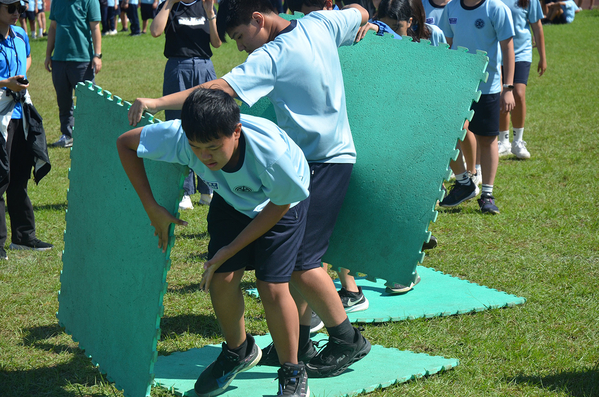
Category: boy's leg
[489,157]
[282,319]
[228,304]
[464,188]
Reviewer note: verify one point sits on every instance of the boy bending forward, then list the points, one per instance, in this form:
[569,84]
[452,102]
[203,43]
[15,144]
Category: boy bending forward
[256,219]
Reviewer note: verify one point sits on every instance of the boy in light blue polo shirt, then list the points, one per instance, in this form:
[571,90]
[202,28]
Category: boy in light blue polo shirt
[256,220]
[484,25]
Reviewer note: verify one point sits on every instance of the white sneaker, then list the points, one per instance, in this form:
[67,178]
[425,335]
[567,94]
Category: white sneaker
[186,203]
[519,149]
[504,148]
[205,199]
[477,179]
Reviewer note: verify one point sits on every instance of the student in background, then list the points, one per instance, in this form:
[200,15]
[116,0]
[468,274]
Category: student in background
[190,30]
[148,11]
[526,14]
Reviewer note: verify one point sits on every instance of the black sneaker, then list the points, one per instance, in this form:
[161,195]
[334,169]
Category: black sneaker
[3,255]
[316,323]
[271,358]
[353,301]
[487,204]
[459,193]
[336,356]
[432,243]
[63,141]
[217,377]
[293,380]
[36,244]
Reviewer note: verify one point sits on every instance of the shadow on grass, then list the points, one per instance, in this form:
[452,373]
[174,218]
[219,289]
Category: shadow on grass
[575,384]
[52,207]
[193,236]
[53,379]
[199,324]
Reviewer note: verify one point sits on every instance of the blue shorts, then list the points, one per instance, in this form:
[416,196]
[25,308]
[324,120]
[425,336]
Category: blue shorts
[521,72]
[30,15]
[272,256]
[486,115]
[328,185]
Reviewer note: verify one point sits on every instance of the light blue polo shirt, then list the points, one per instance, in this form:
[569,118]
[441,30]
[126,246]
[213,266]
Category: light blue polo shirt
[570,10]
[273,167]
[481,27]
[433,12]
[299,71]
[522,18]
[14,51]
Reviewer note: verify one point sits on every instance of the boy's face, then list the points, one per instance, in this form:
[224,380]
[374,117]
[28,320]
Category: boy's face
[218,152]
[251,36]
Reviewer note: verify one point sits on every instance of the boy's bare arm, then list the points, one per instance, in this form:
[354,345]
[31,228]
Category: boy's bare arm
[537,30]
[159,216]
[263,222]
[172,101]
[507,96]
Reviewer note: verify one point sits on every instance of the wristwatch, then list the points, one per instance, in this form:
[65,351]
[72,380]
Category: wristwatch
[508,86]
[99,56]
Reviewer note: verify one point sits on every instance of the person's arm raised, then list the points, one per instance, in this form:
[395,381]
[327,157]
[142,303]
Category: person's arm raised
[173,101]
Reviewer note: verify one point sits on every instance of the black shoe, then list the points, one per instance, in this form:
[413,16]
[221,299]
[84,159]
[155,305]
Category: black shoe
[36,244]
[271,358]
[293,380]
[336,356]
[353,301]
[217,376]
[124,30]
[487,205]
[459,193]
[316,323]
[432,243]
[134,34]
[3,255]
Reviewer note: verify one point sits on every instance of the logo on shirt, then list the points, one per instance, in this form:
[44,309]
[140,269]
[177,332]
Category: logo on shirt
[243,189]
[192,21]
[453,21]
[479,23]
[212,185]
[430,21]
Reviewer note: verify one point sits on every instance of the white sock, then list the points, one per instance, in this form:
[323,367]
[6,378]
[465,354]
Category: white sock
[518,132]
[41,32]
[504,136]
[463,179]
[487,189]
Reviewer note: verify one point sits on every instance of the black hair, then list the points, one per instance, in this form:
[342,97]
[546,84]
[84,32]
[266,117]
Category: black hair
[232,13]
[418,20]
[399,10]
[296,5]
[209,114]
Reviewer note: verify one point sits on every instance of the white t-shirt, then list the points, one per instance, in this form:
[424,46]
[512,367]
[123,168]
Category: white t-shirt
[481,27]
[271,166]
[299,71]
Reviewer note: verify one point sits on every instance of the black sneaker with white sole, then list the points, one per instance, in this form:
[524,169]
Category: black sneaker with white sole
[458,193]
[36,244]
[218,376]
[271,358]
[337,355]
[353,301]
[316,323]
[293,380]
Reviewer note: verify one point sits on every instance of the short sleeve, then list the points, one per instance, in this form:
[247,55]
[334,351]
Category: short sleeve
[535,12]
[281,182]
[253,79]
[503,22]
[164,142]
[343,24]
[444,24]
[93,13]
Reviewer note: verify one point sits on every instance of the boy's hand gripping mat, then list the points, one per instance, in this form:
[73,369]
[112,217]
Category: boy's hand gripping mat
[382,367]
[114,274]
[406,103]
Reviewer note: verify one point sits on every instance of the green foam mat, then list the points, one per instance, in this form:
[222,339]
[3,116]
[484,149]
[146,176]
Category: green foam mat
[114,275]
[405,121]
[436,295]
[381,368]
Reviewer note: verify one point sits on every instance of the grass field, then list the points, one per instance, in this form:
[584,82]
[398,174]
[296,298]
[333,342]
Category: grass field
[543,246]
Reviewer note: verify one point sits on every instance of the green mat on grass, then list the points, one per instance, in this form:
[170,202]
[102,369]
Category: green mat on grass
[381,368]
[436,295]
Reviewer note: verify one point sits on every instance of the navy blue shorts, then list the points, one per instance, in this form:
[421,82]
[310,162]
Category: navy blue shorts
[328,185]
[486,115]
[521,73]
[147,11]
[30,15]
[272,256]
